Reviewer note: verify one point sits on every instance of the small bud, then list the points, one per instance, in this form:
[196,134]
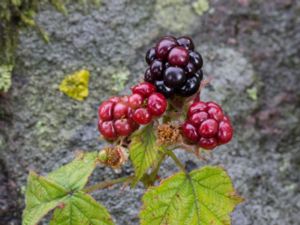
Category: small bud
[113,156]
[167,134]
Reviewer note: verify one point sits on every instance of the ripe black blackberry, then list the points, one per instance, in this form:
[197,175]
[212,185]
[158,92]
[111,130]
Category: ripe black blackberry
[174,66]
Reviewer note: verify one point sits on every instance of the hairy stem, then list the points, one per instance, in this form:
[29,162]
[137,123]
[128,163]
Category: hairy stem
[107,183]
[155,171]
[190,148]
[177,161]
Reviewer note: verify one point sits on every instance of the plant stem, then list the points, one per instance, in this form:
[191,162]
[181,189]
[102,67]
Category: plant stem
[155,171]
[106,184]
[177,161]
[192,149]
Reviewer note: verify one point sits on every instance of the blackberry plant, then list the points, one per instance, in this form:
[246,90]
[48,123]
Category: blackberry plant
[146,127]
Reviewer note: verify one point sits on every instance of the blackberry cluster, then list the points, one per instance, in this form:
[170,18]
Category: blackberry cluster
[174,70]
[121,116]
[207,125]
[174,67]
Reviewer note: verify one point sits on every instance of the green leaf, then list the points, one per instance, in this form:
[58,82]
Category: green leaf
[205,196]
[74,175]
[61,189]
[41,197]
[144,151]
[81,209]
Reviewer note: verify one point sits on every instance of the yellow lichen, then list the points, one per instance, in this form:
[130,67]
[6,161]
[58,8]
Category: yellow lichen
[76,85]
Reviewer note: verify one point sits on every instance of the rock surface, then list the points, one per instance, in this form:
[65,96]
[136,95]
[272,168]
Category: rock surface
[245,44]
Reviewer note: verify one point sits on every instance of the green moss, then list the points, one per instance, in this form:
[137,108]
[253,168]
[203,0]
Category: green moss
[119,79]
[176,15]
[252,93]
[5,77]
[15,15]
[201,6]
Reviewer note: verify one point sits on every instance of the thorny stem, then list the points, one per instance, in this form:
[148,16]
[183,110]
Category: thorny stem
[107,183]
[177,161]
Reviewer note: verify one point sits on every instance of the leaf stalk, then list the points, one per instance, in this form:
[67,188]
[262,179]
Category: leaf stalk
[107,183]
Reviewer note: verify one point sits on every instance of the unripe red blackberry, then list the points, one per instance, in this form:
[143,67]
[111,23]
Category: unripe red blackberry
[157,104]
[115,118]
[121,116]
[142,116]
[206,125]
[154,104]
[145,89]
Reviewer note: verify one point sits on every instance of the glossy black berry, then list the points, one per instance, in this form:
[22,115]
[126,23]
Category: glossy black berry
[167,65]
[150,55]
[186,42]
[174,77]
[174,66]
[190,69]
[196,59]
[162,88]
[148,76]
[199,74]
[164,46]
[190,87]
[156,69]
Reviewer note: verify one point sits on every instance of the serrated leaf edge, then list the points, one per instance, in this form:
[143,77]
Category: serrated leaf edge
[237,198]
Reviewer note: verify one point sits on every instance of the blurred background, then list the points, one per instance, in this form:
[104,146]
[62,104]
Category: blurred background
[251,50]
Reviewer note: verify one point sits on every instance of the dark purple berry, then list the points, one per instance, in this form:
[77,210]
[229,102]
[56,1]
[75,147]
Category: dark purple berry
[156,69]
[164,46]
[148,76]
[167,64]
[196,59]
[174,66]
[186,42]
[174,77]
[199,74]
[150,55]
[190,69]
[190,87]
[178,56]
[162,88]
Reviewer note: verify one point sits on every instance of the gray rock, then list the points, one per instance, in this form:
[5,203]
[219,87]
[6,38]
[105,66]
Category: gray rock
[46,127]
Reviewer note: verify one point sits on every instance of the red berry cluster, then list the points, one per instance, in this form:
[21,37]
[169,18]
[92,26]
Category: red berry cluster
[207,125]
[120,116]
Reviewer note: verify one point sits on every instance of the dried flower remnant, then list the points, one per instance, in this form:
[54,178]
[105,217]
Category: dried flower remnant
[167,134]
[113,156]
